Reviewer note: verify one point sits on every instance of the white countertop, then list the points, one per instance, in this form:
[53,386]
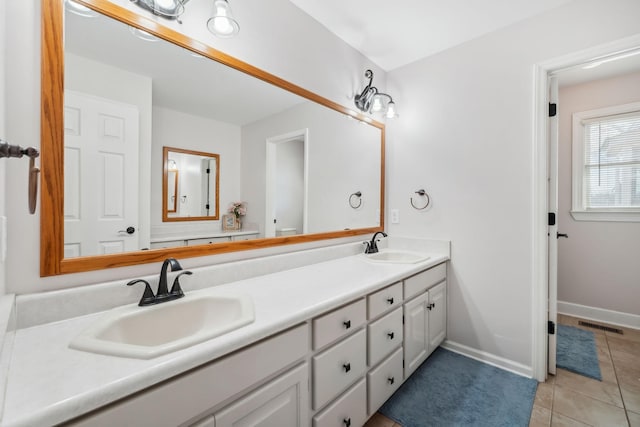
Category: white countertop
[49,383]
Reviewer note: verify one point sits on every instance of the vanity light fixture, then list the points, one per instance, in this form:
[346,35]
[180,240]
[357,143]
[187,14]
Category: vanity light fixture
[171,9]
[143,35]
[80,10]
[172,165]
[222,23]
[371,100]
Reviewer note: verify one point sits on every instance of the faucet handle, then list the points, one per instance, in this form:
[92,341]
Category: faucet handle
[367,246]
[175,288]
[148,297]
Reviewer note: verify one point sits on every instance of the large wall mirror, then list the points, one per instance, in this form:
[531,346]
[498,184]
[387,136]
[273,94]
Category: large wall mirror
[130,128]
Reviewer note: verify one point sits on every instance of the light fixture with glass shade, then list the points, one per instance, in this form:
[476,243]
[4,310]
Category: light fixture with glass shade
[80,10]
[222,23]
[371,100]
[171,9]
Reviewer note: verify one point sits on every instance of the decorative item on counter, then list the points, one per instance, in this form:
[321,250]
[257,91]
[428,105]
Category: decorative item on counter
[232,221]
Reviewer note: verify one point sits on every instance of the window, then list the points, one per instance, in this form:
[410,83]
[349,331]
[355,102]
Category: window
[606,164]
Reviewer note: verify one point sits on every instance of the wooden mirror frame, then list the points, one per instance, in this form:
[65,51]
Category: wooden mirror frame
[52,261]
[165,188]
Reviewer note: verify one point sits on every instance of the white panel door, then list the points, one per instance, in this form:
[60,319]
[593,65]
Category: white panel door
[415,333]
[101,176]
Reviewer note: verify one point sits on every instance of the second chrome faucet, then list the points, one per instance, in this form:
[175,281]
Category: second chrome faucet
[163,294]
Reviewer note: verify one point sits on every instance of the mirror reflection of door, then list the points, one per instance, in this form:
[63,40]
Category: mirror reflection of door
[101,155]
[172,188]
[286,194]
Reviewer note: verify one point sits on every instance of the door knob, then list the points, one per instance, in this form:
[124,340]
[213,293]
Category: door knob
[558,235]
[129,230]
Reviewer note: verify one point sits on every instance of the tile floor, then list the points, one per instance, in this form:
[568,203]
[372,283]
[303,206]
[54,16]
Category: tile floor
[568,399]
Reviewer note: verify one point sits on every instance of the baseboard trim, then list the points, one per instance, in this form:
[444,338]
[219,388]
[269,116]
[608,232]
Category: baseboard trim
[617,318]
[489,359]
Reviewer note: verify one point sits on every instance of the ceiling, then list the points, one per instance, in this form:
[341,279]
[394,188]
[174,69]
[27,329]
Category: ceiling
[393,34]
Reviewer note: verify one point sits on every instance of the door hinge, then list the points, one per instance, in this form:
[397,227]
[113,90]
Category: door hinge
[552,218]
[551,328]
[553,107]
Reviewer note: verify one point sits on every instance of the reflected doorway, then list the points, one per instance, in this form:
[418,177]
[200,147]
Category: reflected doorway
[286,184]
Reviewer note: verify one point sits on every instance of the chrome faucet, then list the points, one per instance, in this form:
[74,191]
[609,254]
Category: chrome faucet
[163,294]
[372,246]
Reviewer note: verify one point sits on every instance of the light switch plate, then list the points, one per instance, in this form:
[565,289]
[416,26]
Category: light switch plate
[395,216]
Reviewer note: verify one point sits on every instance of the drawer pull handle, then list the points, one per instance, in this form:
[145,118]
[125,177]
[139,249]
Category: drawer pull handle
[430,306]
[347,367]
[390,335]
[391,380]
[347,422]
[347,324]
[390,300]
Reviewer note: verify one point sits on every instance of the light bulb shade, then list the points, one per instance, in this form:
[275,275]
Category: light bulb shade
[222,24]
[377,105]
[392,112]
[166,8]
[143,35]
[80,10]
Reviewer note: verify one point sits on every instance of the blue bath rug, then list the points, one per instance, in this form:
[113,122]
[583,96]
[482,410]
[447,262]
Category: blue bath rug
[577,352]
[453,390]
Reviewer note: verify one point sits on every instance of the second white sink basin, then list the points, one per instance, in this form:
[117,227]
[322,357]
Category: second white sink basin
[147,332]
[397,256]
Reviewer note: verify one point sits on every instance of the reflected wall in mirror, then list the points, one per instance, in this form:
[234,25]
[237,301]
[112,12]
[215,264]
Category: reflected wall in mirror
[128,88]
[195,196]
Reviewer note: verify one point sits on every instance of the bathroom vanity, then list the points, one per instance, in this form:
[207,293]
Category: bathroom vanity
[331,341]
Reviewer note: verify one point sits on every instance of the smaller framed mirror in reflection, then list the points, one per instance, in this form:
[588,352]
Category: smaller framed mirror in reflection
[190,185]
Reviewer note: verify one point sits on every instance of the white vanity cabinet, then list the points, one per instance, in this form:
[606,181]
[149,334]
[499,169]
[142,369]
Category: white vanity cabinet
[194,396]
[425,316]
[334,370]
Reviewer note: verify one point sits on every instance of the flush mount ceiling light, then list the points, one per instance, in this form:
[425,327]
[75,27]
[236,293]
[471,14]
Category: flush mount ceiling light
[171,9]
[222,23]
[370,100]
[80,10]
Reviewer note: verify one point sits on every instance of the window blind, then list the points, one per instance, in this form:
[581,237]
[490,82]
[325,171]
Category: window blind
[612,161]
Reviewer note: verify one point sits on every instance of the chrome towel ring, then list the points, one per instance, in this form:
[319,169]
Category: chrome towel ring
[358,195]
[421,193]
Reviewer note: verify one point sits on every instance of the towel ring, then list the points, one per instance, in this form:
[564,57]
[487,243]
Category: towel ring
[422,193]
[357,194]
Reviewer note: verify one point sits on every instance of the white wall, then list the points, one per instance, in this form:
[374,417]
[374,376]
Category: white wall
[598,265]
[276,36]
[180,130]
[465,134]
[341,161]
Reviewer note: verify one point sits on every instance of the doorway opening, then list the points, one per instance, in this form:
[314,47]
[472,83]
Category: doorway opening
[545,184]
[287,184]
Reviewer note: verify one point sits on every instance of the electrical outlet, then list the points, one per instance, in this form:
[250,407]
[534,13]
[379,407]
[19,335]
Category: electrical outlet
[395,216]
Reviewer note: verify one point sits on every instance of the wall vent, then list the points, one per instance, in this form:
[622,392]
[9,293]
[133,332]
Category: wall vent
[601,327]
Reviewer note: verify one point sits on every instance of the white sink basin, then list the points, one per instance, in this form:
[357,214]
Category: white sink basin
[397,256]
[146,332]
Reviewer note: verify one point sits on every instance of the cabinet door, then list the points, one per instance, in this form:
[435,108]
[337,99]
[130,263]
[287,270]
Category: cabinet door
[415,333]
[282,402]
[437,315]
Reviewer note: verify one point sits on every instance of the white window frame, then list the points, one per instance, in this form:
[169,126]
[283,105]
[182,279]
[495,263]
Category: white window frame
[579,211]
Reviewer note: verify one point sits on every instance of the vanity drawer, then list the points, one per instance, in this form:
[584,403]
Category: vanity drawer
[338,323]
[385,334]
[338,367]
[208,240]
[422,281]
[350,408]
[384,300]
[384,380]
